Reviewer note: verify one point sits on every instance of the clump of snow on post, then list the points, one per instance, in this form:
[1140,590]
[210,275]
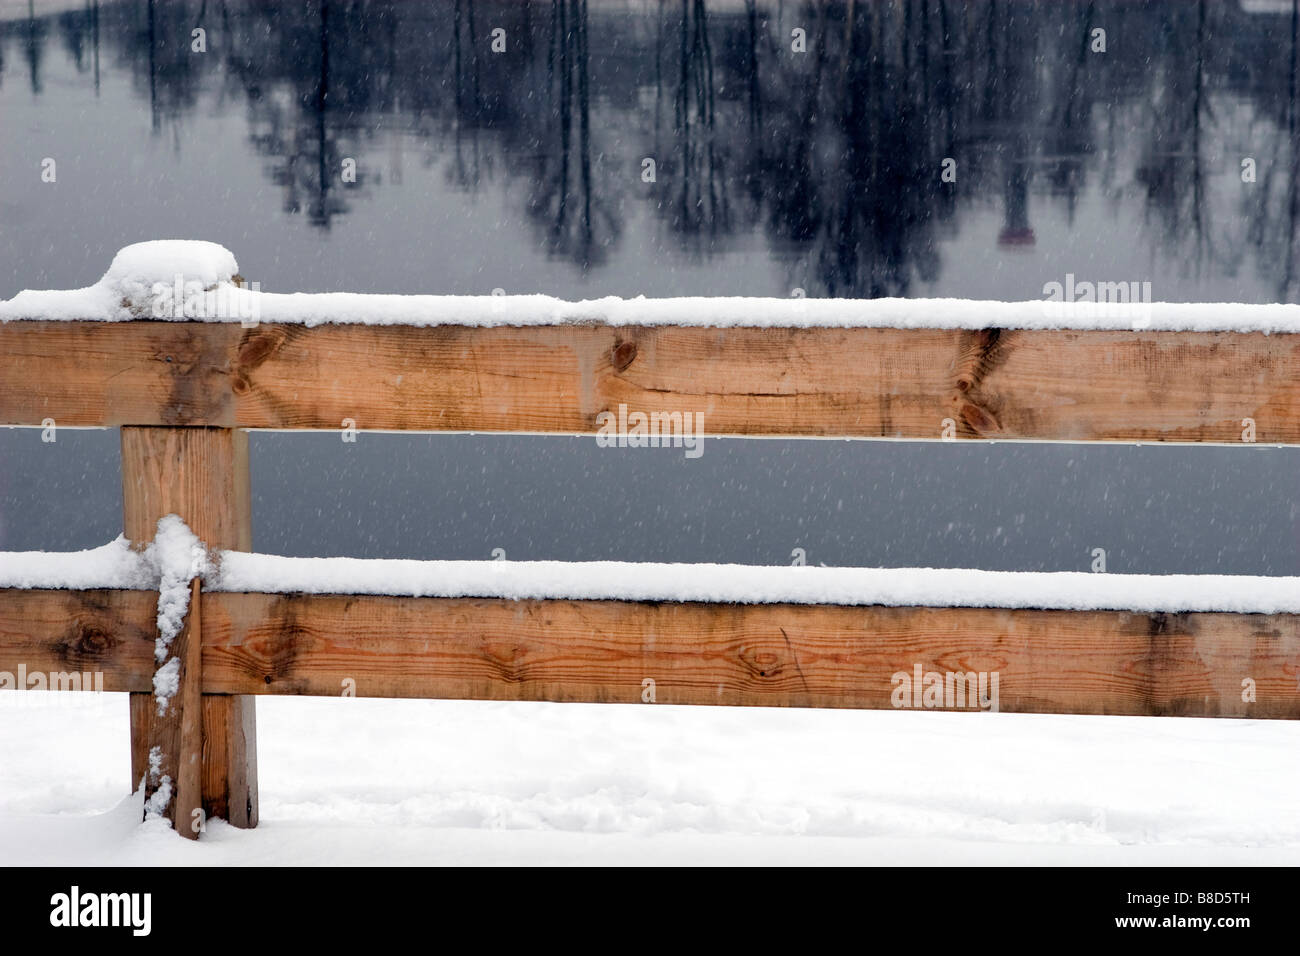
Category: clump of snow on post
[166,682]
[179,557]
[156,805]
[128,289]
[137,271]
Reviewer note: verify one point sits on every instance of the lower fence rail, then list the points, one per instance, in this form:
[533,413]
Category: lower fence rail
[1211,664]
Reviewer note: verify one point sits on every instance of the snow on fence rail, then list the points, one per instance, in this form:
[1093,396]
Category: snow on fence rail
[234,624]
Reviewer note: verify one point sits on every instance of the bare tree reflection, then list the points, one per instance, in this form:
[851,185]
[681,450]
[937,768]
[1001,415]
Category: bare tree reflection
[573,217]
[34,33]
[832,156]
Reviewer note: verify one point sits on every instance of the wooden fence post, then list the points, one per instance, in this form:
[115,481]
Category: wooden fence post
[200,474]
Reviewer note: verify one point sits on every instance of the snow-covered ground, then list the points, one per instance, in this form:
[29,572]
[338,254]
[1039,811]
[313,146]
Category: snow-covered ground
[352,781]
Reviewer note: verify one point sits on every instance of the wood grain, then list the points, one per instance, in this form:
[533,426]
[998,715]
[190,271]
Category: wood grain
[110,632]
[202,475]
[1072,662]
[175,733]
[871,383]
[230,759]
[768,655]
[180,729]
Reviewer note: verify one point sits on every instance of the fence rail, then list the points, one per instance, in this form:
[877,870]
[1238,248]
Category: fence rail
[776,655]
[183,392]
[835,382]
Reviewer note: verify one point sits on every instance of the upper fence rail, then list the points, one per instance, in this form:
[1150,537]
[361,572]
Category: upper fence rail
[1069,385]
[1129,371]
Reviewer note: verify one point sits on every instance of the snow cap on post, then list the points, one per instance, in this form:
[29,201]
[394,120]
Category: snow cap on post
[141,283]
[140,271]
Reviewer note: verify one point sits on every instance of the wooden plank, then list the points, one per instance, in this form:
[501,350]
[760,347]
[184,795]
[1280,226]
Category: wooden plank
[769,655]
[230,758]
[138,374]
[174,730]
[199,473]
[191,816]
[202,475]
[107,632]
[174,733]
[141,706]
[1082,662]
[871,383]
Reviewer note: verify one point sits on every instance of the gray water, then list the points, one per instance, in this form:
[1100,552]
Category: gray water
[775,170]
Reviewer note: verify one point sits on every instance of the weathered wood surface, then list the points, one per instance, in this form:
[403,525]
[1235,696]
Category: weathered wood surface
[874,383]
[108,631]
[1079,662]
[202,475]
[230,759]
[176,727]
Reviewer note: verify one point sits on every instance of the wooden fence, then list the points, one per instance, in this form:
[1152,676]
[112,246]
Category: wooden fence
[183,394]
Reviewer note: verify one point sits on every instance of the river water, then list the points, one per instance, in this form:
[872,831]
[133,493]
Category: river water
[793,146]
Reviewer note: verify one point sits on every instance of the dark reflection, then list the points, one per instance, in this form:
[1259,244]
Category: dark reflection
[34,35]
[674,147]
[827,144]
[573,216]
[304,84]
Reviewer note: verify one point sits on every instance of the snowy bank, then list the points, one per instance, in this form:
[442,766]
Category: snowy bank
[175,558]
[152,279]
[398,782]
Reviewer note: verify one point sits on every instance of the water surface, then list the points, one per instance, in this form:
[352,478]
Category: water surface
[774,171]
